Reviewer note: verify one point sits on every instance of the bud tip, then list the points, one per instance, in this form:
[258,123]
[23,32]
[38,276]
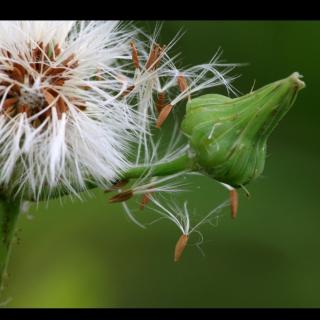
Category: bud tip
[296,77]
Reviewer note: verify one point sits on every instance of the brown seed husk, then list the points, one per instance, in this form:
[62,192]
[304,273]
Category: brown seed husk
[164,115]
[180,246]
[234,203]
[123,196]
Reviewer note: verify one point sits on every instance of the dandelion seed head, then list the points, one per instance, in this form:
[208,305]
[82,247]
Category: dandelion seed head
[61,123]
[77,97]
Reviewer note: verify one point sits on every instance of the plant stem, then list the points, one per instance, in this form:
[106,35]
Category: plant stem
[9,212]
[179,164]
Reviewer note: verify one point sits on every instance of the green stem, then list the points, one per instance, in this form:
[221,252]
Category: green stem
[179,164]
[9,212]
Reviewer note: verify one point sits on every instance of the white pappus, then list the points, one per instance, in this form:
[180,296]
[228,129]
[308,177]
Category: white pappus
[61,120]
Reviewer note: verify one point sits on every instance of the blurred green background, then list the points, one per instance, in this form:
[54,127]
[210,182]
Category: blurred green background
[88,254]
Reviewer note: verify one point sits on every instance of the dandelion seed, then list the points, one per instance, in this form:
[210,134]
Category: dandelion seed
[160,102]
[234,203]
[118,185]
[180,246]
[183,85]
[181,218]
[154,57]
[135,57]
[164,113]
[122,196]
[145,199]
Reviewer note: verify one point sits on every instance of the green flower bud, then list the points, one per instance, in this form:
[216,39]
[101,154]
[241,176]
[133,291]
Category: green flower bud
[229,136]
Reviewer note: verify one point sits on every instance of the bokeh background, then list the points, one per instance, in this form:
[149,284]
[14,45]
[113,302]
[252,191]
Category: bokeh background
[89,254]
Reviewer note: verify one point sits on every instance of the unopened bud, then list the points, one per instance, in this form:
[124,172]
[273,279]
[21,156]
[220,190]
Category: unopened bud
[229,136]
